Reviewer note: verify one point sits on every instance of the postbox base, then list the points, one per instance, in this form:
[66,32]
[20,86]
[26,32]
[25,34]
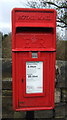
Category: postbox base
[34,109]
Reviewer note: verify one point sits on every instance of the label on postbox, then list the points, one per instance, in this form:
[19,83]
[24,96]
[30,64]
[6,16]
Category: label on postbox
[34,77]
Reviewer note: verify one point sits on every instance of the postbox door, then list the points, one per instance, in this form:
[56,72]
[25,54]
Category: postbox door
[28,97]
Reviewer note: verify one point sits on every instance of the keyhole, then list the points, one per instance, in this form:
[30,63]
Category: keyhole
[22,80]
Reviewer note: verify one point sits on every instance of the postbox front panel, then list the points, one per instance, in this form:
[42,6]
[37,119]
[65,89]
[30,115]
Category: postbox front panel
[33,58]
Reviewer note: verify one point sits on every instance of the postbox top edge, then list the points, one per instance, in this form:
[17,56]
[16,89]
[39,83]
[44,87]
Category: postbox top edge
[33,9]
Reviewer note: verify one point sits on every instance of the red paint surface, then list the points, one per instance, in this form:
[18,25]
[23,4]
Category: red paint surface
[33,30]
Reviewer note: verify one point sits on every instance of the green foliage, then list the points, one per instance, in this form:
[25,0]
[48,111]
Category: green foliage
[61,50]
[6,46]
[1,36]
[6,35]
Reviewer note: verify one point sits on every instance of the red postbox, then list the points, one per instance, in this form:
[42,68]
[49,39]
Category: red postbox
[33,58]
